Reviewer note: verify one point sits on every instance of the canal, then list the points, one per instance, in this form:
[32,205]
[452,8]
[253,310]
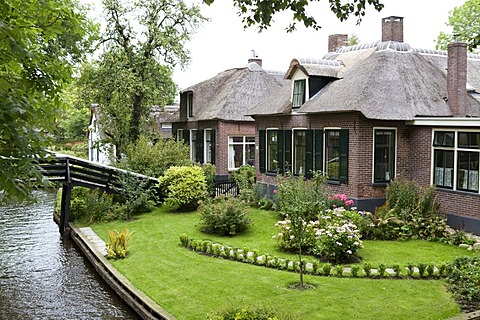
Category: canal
[45,277]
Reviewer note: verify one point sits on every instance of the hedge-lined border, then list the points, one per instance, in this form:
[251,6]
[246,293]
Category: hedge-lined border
[314,267]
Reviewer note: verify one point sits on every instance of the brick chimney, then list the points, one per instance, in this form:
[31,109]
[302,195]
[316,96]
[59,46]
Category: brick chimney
[336,41]
[254,58]
[457,78]
[392,29]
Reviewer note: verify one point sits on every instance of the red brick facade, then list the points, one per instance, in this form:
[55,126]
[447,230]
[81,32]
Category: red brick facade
[413,157]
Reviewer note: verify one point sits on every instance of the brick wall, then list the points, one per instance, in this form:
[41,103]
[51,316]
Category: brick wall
[392,29]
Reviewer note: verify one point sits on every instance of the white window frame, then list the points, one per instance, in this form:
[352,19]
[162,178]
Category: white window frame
[455,150]
[373,151]
[206,147]
[299,75]
[231,152]
[193,148]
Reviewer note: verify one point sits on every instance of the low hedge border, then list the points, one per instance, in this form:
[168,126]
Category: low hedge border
[314,267]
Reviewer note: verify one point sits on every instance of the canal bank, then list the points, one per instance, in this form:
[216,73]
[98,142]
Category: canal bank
[93,249]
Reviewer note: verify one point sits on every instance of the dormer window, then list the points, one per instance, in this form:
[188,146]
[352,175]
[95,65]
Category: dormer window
[190,104]
[298,93]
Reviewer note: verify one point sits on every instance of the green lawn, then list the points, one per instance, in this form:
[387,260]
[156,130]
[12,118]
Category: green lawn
[190,285]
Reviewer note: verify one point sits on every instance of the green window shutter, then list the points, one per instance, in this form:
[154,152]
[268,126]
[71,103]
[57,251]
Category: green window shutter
[309,153]
[200,144]
[287,134]
[280,152]
[213,145]
[186,136]
[318,150]
[343,167]
[261,148]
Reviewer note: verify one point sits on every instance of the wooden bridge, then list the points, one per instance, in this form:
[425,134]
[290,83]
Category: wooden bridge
[71,171]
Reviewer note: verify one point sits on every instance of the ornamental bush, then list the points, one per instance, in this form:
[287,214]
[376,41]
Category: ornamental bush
[224,216]
[184,187]
[464,281]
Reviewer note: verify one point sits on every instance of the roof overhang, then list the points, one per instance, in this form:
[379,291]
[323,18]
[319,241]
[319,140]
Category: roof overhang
[445,122]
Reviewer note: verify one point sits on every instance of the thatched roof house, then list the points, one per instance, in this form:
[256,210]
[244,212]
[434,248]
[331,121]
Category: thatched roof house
[212,115]
[370,113]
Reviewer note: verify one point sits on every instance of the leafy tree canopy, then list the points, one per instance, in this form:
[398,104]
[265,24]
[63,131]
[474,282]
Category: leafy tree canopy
[40,43]
[465,22]
[143,41]
[260,12]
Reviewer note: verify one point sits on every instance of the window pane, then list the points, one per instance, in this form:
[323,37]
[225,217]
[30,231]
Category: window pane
[251,154]
[272,145]
[237,139]
[443,175]
[299,152]
[251,139]
[468,140]
[444,138]
[193,145]
[298,93]
[384,157]
[468,171]
[332,154]
[208,146]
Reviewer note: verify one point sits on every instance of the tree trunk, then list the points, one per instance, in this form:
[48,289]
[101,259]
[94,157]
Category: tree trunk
[136,117]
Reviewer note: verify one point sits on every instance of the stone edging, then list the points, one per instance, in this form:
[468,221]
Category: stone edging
[145,307]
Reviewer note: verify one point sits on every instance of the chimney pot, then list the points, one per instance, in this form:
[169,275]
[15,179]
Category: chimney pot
[254,58]
[336,41]
[392,29]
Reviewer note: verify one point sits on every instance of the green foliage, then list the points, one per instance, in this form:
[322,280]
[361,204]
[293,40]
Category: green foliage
[224,216]
[184,187]
[153,159]
[244,176]
[137,195]
[210,172]
[260,13]
[92,206]
[41,43]
[464,281]
[247,313]
[117,245]
[463,21]
[409,213]
[129,77]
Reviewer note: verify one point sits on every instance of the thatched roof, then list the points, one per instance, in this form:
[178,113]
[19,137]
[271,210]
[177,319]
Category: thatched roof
[382,80]
[229,94]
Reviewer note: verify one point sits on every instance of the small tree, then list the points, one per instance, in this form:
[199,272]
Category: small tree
[301,200]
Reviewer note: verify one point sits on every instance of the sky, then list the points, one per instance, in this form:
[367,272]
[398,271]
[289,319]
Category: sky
[223,43]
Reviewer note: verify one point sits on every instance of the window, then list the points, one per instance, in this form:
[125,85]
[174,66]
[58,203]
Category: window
[208,146]
[384,155]
[298,93]
[299,151]
[272,149]
[193,145]
[190,104]
[241,151]
[332,154]
[456,156]
[336,155]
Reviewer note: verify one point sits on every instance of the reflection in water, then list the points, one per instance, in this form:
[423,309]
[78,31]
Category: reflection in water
[43,277]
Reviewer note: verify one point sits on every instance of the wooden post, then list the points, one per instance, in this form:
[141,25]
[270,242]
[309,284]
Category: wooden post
[66,195]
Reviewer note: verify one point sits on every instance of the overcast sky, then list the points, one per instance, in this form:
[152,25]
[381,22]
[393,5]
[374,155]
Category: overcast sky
[223,43]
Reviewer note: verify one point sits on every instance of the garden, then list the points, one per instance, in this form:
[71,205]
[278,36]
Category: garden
[298,254]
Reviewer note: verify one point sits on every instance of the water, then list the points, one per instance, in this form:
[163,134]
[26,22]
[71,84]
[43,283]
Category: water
[45,277]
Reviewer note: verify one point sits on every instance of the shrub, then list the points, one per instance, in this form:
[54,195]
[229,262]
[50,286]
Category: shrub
[136,195]
[210,172]
[154,158]
[244,176]
[117,246]
[184,187]
[224,217]
[463,280]
[92,206]
[247,313]
[286,236]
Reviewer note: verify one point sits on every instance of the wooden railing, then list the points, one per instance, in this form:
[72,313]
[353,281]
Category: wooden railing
[72,171]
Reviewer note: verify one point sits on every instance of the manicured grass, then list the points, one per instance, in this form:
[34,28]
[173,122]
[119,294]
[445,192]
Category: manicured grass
[190,285]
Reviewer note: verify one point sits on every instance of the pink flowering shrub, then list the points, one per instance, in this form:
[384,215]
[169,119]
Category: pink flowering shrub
[286,236]
[339,200]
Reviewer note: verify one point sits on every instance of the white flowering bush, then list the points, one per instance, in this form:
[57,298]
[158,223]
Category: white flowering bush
[286,235]
[338,238]
[334,237]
